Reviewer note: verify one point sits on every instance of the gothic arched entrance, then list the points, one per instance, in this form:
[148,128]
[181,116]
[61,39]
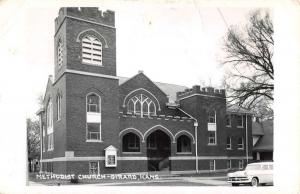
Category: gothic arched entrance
[158,151]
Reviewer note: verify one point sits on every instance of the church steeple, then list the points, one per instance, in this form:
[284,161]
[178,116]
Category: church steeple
[85,41]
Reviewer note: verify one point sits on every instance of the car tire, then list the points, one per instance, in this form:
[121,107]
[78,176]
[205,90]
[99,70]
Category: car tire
[234,184]
[254,182]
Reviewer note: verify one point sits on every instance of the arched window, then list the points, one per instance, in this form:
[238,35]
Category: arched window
[131,143]
[58,106]
[93,117]
[49,115]
[49,120]
[183,144]
[59,53]
[141,104]
[91,50]
[93,103]
[240,143]
[130,106]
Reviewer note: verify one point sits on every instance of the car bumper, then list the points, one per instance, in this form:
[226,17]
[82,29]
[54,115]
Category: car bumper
[238,180]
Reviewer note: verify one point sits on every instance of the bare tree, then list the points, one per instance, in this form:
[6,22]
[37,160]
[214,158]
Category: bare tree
[248,55]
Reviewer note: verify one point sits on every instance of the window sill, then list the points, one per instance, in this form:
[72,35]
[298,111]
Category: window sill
[84,63]
[183,153]
[111,166]
[96,141]
[240,126]
[212,144]
[131,152]
[240,148]
[49,150]
[228,148]
[228,125]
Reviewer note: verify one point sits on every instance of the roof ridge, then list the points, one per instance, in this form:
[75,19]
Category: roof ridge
[156,82]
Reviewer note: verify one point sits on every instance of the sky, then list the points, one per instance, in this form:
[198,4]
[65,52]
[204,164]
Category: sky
[178,43]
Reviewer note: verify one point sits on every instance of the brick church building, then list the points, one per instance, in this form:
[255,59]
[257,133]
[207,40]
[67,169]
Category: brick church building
[94,121]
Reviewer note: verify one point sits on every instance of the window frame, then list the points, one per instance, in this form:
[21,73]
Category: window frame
[139,101]
[214,138]
[241,146]
[214,165]
[93,117]
[88,139]
[241,164]
[130,149]
[237,121]
[92,46]
[230,144]
[209,116]
[50,139]
[60,56]
[228,116]
[43,139]
[49,115]
[88,104]
[58,107]
[97,168]
[230,165]
[189,145]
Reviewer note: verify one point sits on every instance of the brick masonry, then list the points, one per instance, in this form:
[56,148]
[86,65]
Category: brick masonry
[71,25]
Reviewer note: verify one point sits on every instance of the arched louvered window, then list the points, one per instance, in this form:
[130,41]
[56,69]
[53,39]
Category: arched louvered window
[141,104]
[59,53]
[91,50]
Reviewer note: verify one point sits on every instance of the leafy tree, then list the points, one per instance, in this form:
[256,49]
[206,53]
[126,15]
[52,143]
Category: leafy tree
[248,57]
[33,139]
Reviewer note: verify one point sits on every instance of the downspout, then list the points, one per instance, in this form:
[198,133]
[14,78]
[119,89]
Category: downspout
[196,138]
[247,138]
[41,142]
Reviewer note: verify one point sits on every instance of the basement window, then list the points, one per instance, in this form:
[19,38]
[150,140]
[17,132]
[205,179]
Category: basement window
[94,168]
[212,165]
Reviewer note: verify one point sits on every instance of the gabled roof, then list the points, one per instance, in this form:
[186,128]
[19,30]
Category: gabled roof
[49,86]
[265,143]
[169,89]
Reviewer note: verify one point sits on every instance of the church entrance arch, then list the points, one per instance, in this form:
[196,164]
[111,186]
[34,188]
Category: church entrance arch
[158,151]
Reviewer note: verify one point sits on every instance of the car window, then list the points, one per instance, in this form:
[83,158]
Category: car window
[271,166]
[265,167]
[253,167]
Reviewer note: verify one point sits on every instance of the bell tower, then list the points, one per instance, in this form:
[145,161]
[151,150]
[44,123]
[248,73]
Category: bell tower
[85,77]
[85,41]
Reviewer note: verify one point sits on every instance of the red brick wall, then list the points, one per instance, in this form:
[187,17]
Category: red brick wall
[78,86]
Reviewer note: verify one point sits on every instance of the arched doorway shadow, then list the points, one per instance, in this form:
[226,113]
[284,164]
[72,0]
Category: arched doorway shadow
[158,151]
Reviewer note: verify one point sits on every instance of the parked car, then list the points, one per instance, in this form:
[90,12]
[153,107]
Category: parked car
[254,174]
